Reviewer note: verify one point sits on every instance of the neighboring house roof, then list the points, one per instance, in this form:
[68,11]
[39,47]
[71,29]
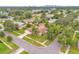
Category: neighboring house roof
[42,28]
[52,20]
[49,15]
[19,24]
[29,21]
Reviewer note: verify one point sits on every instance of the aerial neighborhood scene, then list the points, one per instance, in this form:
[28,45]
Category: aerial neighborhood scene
[39,30]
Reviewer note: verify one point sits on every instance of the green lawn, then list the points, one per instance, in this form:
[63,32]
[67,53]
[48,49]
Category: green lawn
[13,45]
[15,33]
[18,32]
[4,49]
[21,31]
[24,52]
[10,43]
[38,38]
[74,50]
[32,42]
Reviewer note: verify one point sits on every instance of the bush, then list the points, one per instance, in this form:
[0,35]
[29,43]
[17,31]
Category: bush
[9,38]
[2,34]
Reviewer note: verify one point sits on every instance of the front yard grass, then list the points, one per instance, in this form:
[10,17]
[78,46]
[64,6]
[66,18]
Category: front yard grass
[74,50]
[4,49]
[10,43]
[18,32]
[24,52]
[32,42]
[38,38]
[21,31]
[15,33]
[13,45]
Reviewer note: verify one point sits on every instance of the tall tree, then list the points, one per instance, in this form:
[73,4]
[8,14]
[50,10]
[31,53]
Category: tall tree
[9,25]
[50,34]
[28,15]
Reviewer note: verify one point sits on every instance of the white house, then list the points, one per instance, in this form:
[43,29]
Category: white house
[20,24]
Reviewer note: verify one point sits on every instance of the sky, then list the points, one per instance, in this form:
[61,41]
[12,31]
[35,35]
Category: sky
[39,2]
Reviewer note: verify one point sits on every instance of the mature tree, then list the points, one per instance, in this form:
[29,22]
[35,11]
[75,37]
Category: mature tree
[37,20]
[45,21]
[2,34]
[56,29]
[75,25]
[28,15]
[43,15]
[50,34]
[61,39]
[65,21]
[34,30]
[9,38]
[65,37]
[9,25]
[11,13]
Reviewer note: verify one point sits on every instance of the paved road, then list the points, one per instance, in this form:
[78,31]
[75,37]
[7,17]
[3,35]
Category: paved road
[52,49]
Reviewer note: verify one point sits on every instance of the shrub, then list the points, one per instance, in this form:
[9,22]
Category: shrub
[9,38]
[2,34]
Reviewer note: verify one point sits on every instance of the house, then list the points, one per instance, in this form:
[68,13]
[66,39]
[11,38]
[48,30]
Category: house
[42,28]
[52,21]
[10,17]
[28,21]
[4,13]
[36,11]
[19,25]
[49,16]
